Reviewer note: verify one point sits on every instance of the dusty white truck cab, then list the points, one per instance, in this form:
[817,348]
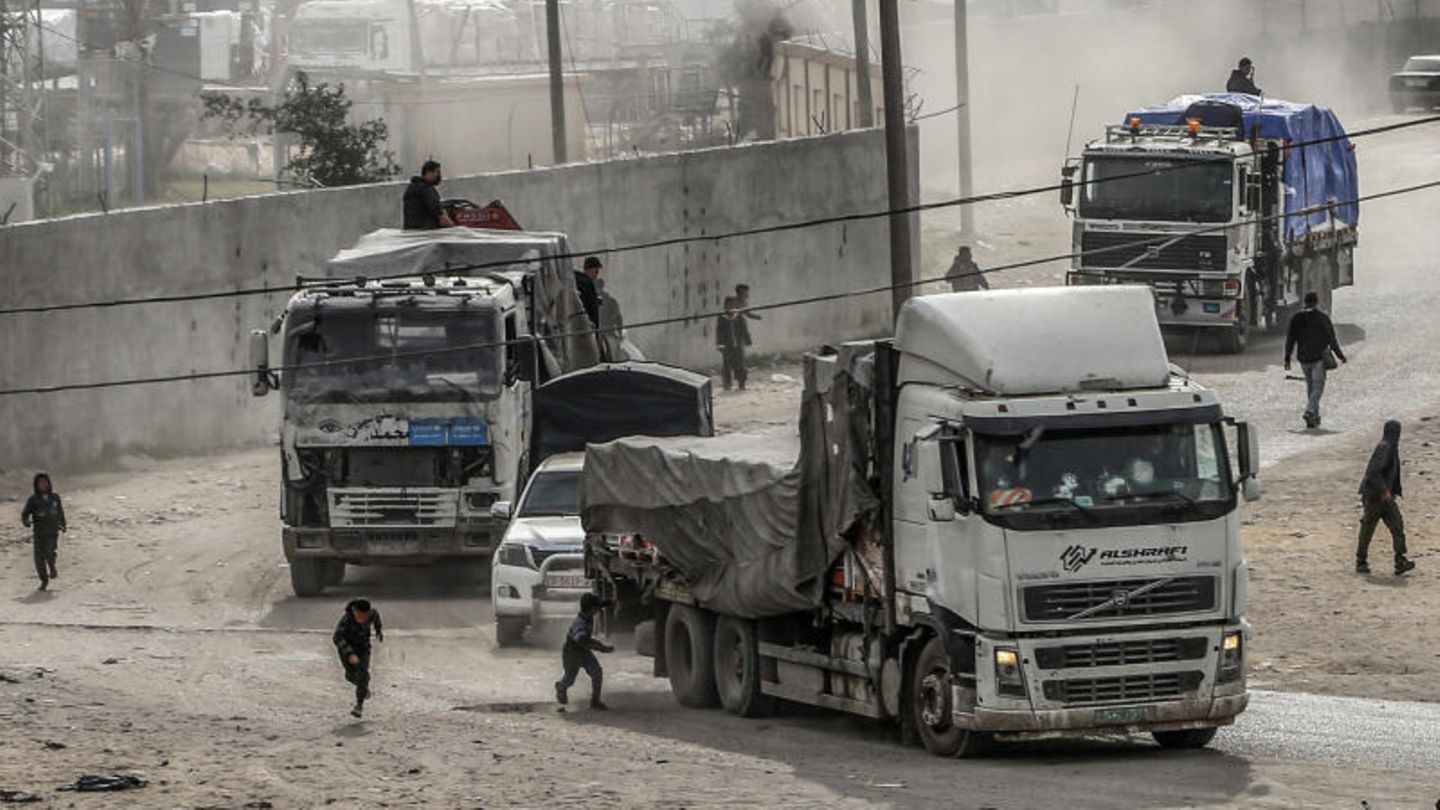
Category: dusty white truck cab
[1014,520]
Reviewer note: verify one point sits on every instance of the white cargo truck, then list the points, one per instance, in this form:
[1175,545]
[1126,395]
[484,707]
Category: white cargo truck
[1014,520]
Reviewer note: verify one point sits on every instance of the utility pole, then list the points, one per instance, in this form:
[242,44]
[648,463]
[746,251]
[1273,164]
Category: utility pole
[557,85]
[897,169]
[962,117]
[862,63]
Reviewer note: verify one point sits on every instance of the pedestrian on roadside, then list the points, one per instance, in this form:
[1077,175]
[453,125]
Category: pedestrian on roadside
[45,515]
[579,653]
[352,641]
[964,274]
[1311,338]
[422,208]
[1242,79]
[585,286]
[1380,490]
[612,324]
[732,337]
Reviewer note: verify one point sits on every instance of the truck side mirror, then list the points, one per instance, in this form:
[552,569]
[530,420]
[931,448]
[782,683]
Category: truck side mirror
[1247,440]
[1067,186]
[1252,195]
[262,382]
[932,478]
[500,510]
[1251,489]
[522,358]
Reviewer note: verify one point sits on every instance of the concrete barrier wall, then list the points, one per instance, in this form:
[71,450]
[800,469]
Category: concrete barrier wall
[268,240]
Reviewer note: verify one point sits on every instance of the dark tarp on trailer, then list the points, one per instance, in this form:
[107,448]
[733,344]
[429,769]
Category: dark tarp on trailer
[612,400]
[753,529]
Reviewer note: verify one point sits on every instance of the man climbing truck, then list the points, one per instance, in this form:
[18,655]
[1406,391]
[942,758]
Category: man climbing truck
[1229,207]
[406,401]
[991,530]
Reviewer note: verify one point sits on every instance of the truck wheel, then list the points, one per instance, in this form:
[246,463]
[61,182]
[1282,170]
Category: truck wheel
[510,630]
[1190,738]
[932,711]
[334,572]
[737,668]
[307,577]
[1398,105]
[690,656]
[1235,339]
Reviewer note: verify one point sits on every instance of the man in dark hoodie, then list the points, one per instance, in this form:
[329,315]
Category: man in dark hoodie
[1310,336]
[46,515]
[352,640]
[1242,79]
[1379,490]
[423,211]
[579,653]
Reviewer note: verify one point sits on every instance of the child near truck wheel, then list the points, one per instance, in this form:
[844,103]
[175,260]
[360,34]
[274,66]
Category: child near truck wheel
[579,653]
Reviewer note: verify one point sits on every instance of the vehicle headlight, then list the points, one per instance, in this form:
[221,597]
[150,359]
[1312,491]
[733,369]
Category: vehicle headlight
[1009,678]
[1232,657]
[480,501]
[515,554]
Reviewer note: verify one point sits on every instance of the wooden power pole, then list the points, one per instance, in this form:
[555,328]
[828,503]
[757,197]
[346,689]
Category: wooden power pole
[862,64]
[896,162]
[557,85]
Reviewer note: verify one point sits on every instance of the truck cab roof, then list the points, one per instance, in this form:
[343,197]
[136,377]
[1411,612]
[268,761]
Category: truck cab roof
[433,292]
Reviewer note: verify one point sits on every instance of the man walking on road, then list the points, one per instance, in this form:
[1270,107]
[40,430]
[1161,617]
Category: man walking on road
[352,641]
[579,653]
[1379,491]
[1311,338]
[45,514]
[965,275]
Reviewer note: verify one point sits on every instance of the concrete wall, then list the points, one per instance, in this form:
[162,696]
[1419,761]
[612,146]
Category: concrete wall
[268,240]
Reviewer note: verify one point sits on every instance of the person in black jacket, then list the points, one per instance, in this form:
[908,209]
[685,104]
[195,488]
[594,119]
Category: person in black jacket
[579,653]
[1311,335]
[45,515]
[423,211]
[352,641]
[732,337]
[1379,490]
[1242,79]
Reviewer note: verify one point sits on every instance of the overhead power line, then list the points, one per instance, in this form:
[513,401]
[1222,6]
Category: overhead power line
[775,305]
[684,240]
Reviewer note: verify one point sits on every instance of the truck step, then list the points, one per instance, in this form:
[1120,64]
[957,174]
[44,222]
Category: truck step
[812,698]
[813,659]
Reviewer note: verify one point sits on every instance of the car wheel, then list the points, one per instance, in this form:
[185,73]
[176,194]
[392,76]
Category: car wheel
[510,630]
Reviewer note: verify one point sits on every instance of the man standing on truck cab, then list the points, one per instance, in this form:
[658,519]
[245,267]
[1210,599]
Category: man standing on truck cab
[1242,79]
[1311,337]
[423,211]
[579,653]
[352,641]
[1379,490]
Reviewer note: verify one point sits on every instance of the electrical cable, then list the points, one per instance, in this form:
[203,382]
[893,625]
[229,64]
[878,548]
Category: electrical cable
[684,240]
[775,305]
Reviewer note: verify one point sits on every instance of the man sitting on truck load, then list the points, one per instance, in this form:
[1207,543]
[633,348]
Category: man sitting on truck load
[579,653]
[1311,337]
[423,211]
[1242,79]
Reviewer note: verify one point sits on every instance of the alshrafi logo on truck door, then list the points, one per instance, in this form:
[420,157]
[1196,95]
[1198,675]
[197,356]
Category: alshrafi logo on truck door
[1077,556]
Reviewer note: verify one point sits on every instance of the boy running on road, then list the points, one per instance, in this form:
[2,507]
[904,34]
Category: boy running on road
[352,640]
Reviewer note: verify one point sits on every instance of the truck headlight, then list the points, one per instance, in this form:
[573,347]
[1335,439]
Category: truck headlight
[1232,657]
[515,554]
[1009,678]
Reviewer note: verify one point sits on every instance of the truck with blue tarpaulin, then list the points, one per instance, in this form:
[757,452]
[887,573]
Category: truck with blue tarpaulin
[1229,206]
[407,394]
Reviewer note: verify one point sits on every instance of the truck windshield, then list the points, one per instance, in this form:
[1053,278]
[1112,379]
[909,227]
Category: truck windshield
[1105,471]
[1157,189]
[383,356]
[552,494]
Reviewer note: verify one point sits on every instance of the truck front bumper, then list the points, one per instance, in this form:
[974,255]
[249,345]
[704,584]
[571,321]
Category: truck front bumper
[1178,311]
[1042,724]
[388,545]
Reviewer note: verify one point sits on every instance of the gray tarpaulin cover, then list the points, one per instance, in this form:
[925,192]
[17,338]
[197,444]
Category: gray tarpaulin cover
[752,528]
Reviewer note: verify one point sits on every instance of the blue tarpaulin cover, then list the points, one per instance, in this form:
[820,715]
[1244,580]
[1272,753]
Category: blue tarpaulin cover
[1313,175]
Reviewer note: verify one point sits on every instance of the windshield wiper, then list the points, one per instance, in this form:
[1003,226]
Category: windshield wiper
[1159,493]
[469,397]
[1084,510]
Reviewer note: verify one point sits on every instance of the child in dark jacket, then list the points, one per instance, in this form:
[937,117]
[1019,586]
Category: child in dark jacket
[579,653]
[45,514]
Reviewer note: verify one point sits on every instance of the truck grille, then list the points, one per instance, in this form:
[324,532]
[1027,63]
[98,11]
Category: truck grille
[1126,689]
[1050,603]
[1153,251]
[392,507]
[1121,653]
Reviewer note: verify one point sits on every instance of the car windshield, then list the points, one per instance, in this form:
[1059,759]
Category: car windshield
[329,35]
[1100,469]
[385,356]
[1422,64]
[1158,189]
[552,494]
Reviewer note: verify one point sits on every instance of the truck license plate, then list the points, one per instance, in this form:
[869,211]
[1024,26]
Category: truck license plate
[1417,82]
[565,581]
[1129,714]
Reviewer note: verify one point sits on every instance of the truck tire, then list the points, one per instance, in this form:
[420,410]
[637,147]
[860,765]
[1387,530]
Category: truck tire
[931,709]
[1236,339]
[690,656]
[1190,738]
[334,572]
[307,577]
[737,668]
[510,630]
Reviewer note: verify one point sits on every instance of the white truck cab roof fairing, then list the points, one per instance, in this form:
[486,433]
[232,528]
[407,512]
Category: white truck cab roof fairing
[1051,340]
